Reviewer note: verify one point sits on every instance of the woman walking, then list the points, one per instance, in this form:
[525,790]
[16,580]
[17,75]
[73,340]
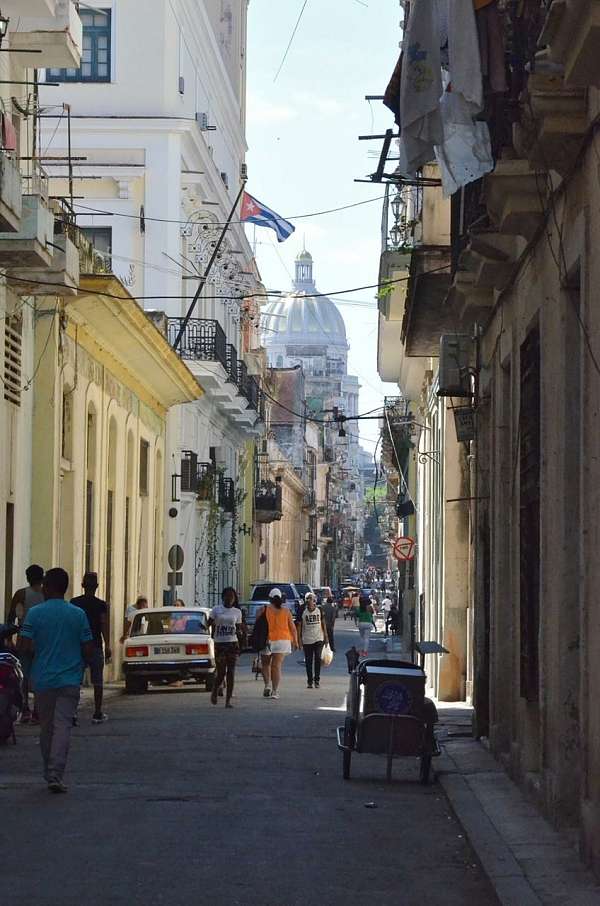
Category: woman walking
[226,624]
[313,635]
[366,623]
[282,640]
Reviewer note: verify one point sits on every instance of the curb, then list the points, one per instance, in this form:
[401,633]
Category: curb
[503,870]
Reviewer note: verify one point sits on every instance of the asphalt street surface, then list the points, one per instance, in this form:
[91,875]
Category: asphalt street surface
[176,801]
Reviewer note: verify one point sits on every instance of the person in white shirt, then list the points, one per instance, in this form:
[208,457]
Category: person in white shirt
[140,604]
[313,635]
[226,625]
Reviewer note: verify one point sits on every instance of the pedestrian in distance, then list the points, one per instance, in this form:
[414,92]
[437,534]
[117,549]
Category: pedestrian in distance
[58,634]
[313,635]
[329,611]
[366,623]
[22,600]
[282,639]
[96,612]
[393,620]
[140,604]
[225,623]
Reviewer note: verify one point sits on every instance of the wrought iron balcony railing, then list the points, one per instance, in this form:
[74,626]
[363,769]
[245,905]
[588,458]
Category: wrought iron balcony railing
[227,494]
[268,505]
[242,376]
[232,364]
[203,340]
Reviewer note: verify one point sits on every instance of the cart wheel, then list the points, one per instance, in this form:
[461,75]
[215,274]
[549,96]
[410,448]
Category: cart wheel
[425,769]
[347,755]
[349,732]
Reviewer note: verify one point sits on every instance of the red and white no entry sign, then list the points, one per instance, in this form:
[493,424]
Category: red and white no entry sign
[403,548]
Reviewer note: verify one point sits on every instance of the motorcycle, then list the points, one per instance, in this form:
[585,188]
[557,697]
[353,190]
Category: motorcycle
[11,686]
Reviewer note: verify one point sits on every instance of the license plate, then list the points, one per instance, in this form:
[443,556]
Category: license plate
[167,649]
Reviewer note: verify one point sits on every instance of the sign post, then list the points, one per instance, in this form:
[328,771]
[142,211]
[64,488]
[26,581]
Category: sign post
[175,558]
[403,549]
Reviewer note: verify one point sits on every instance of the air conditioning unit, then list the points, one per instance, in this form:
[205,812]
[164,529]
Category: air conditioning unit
[456,351]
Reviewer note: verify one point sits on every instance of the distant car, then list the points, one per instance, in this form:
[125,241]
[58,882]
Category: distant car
[166,644]
[294,593]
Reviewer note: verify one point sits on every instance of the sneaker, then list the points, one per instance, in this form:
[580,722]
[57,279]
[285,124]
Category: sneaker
[267,692]
[99,718]
[309,685]
[56,786]
[316,684]
[228,704]
[274,694]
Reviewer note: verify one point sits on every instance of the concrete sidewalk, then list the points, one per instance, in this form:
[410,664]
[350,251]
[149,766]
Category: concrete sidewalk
[528,862]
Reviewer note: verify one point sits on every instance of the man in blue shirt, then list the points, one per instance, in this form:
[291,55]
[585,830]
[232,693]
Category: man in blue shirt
[59,637]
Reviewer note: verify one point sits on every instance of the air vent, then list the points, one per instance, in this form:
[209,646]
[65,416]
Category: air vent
[12,361]
[455,361]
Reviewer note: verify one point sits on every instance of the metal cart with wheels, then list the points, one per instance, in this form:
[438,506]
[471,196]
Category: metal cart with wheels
[388,714]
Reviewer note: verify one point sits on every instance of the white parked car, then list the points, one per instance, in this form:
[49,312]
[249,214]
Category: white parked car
[166,644]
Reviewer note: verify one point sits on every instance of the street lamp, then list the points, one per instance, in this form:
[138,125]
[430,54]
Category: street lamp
[4,20]
[397,203]
[396,235]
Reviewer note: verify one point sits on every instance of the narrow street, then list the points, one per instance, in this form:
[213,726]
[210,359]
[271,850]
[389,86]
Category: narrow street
[175,801]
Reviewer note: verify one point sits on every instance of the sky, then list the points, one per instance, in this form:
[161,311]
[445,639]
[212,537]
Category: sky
[304,153]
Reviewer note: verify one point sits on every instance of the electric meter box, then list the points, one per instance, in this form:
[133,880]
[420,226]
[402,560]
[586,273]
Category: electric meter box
[456,351]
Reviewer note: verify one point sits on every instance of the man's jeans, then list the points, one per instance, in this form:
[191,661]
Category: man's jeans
[312,654]
[56,709]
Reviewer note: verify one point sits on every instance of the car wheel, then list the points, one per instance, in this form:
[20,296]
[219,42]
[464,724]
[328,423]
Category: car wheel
[135,685]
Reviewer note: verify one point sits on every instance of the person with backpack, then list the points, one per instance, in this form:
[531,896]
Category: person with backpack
[275,637]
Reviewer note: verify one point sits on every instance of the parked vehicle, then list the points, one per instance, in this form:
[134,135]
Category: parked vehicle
[294,593]
[167,644]
[11,686]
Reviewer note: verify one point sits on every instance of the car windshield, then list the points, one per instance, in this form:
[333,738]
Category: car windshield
[303,590]
[169,622]
[261,592]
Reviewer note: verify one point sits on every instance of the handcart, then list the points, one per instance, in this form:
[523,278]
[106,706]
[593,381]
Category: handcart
[388,714]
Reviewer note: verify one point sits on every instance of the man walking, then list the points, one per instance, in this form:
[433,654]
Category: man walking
[59,635]
[23,600]
[96,612]
[329,611]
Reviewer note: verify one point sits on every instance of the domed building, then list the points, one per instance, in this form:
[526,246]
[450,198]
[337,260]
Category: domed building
[308,330]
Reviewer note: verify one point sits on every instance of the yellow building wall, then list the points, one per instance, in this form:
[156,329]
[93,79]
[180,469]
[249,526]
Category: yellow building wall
[88,426]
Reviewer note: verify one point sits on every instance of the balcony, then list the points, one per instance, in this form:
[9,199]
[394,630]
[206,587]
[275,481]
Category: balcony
[53,27]
[31,245]
[572,34]
[309,500]
[61,278]
[232,364]
[226,494]
[11,195]
[268,505]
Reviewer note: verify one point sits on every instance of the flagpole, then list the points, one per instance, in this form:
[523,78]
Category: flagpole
[206,273]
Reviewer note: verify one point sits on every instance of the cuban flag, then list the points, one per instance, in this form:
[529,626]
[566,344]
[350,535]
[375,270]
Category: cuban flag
[254,211]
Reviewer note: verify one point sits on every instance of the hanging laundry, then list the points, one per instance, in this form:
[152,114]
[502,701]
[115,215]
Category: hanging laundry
[391,97]
[9,133]
[492,49]
[420,89]
[463,54]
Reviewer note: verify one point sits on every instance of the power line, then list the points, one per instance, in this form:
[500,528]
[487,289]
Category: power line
[345,207]
[293,35]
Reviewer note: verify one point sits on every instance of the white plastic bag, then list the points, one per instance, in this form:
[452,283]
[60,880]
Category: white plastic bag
[326,656]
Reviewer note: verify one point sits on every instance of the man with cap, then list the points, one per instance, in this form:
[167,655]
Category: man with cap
[96,611]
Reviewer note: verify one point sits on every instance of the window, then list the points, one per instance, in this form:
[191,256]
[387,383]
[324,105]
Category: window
[101,239]
[144,458]
[12,360]
[95,59]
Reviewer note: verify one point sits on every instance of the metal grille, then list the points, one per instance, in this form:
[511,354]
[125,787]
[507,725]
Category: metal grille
[203,340]
[12,361]
[529,503]
[232,363]
[252,393]
[242,377]
[227,494]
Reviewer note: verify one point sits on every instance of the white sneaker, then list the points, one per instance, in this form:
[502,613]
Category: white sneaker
[275,695]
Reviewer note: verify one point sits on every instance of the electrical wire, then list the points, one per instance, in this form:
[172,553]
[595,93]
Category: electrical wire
[189,222]
[293,35]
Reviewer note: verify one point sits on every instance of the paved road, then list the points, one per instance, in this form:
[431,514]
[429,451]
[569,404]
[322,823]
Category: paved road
[175,801]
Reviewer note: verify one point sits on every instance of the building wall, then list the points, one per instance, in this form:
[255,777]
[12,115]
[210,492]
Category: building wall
[552,740]
[93,426]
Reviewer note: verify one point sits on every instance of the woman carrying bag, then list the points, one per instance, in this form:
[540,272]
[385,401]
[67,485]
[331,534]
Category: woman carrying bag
[313,636]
